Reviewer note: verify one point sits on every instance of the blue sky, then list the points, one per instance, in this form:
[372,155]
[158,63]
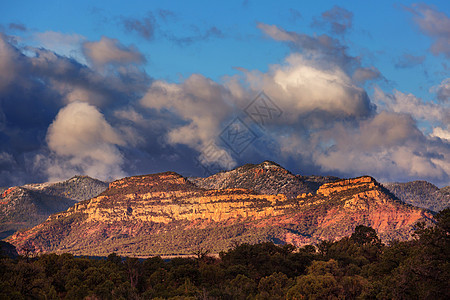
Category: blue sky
[111,88]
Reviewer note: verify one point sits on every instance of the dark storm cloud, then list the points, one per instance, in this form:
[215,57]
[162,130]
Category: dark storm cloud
[144,27]
[43,90]
[338,20]
[409,61]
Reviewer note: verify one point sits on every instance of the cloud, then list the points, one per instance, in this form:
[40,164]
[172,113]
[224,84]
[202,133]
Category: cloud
[442,90]
[337,18]
[69,45]
[201,104]
[33,90]
[198,36]
[89,143]
[409,61]
[108,118]
[306,88]
[361,75]
[10,62]
[324,49]
[408,103]
[441,133]
[144,27]
[17,26]
[309,94]
[388,146]
[435,24]
[111,51]
[166,14]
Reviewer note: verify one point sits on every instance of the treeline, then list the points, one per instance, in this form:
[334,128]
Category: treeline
[358,267]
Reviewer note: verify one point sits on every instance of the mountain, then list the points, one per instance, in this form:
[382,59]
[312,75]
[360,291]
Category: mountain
[28,205]
[265,178]
[166,214]
[422,194]
[77,188]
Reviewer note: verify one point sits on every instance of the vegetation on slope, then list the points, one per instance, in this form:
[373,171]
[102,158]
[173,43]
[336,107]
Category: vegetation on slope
[265,178]
[356,267]
[421,194]
[29,205]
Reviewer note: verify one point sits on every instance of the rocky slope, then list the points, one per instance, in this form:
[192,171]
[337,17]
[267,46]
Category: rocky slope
[265,178]
[166,214]
[29,205]
[422,194]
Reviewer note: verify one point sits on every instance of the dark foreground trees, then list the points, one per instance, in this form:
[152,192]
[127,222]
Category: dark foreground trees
[358,267]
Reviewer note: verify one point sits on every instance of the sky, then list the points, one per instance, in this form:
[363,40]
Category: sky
[113,88]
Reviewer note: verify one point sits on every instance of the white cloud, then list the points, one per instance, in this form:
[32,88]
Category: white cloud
[441,133]
[81,139]
[199,101]
[408,103]
[111,51]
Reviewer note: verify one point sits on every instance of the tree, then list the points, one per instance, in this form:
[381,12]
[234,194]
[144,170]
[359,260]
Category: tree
[365,235]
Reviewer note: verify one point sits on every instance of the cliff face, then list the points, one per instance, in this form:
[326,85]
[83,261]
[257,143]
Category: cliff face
[29,205]
[167,214]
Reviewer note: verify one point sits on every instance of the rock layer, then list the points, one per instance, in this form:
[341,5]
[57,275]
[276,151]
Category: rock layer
[166,214]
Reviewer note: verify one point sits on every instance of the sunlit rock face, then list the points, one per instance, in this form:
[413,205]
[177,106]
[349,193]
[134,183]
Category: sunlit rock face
[165,213]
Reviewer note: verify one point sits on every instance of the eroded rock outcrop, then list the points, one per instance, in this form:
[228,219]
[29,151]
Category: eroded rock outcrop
[166,214]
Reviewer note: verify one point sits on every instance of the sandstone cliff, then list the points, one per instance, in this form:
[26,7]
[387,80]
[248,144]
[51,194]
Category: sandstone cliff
[167,214]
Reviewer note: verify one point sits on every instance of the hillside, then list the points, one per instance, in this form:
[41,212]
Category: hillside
[164,214]
[422,194]
[29,205]
[265,178]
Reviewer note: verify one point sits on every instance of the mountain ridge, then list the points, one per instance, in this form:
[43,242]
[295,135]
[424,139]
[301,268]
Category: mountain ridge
[28,205]
[166,214]
[422,194]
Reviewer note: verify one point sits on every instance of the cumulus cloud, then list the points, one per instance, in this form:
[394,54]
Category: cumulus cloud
[408,103]
[111,51]
[311,96]
[60,117]
[33,90]
[337,18]
[442,90]
[305,88]
[199,101]
[442,133]
[81,134]
[324,49]
[435,24]
[388,146]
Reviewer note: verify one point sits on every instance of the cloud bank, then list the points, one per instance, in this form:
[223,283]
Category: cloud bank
[99,113]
